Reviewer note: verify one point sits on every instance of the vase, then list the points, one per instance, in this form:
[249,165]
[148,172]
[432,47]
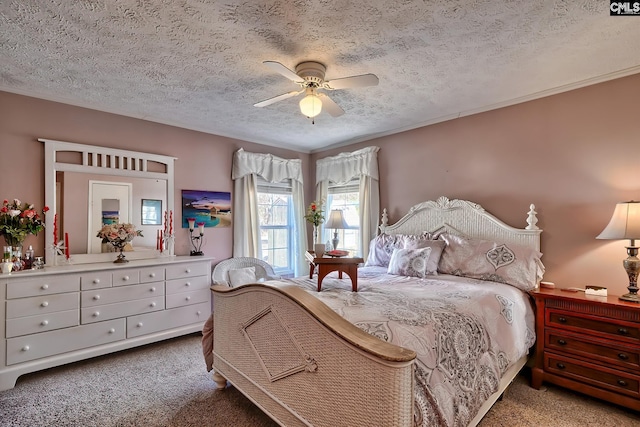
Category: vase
[315,235]
[120,247]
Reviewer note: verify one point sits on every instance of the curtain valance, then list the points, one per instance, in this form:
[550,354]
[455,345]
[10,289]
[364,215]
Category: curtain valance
[268,166]
[346,166]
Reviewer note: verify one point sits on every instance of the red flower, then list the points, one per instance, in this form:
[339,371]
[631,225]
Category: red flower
[45,209]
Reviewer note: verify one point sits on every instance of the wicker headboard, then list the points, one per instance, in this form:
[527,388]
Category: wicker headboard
[463,218]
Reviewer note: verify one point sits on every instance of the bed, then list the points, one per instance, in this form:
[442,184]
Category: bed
[407,349]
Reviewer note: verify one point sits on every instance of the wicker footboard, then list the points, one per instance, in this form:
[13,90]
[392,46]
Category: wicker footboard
[303,364]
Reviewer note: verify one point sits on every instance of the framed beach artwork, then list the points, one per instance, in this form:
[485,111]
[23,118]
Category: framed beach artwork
[213,208]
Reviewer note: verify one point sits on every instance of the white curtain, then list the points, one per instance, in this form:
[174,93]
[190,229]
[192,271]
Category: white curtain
[246,227]
[343,168]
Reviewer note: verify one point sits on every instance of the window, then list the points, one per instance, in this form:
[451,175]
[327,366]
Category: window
[345,197]
[275,215]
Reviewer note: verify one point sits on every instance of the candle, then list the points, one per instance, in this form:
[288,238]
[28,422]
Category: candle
[165,222]
[55,229]
[158,240]
[66,245]
[170,223]
[201,228]
[161,242]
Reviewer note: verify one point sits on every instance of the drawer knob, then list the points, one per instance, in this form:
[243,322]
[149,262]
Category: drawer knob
[198,313]
[125,278]
[96,314]
[562,319]
[112,331]
[25,348]
[153,289]
[44,303]
[622,383]
[96,297]
[44,323]
[44,287]
[560,365]
[153,304]
[187,298]
[139,325]
[188,270]
[623,331]
[152,275]
[96,281]
[562,342]
[623,356]
[188,284]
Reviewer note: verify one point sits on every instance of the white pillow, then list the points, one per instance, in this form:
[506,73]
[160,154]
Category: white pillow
[242,276]
[409,262]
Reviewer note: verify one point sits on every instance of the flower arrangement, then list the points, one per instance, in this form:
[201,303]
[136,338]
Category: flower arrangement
[118,234]
[315,213]
[18,220]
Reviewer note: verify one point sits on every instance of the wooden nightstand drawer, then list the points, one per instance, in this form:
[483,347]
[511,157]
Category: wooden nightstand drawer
[590,349]
[598,376]
[598,326]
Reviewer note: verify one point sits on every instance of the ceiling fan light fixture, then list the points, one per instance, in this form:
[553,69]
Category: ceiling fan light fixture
[311,105]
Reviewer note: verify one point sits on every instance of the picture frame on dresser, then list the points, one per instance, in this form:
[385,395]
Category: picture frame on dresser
[589,344]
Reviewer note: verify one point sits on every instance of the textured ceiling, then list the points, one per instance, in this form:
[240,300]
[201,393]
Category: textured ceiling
[197,64]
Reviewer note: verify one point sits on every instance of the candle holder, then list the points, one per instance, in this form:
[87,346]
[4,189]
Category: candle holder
[196,241]
[169,243]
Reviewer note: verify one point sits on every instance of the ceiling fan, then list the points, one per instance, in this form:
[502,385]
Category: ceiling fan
[310,76]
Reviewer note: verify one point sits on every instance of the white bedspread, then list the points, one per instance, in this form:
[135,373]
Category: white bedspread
[466,332]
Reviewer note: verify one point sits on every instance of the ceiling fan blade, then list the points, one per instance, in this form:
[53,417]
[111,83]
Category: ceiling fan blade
[277,98]
[279,68]
[353,81]
[330,106]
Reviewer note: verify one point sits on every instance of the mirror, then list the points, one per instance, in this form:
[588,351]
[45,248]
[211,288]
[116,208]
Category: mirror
[87,186]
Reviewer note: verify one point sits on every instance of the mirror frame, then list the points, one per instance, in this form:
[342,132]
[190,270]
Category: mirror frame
[104,161]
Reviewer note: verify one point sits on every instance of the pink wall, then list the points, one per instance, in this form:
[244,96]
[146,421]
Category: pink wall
[204,161]
[573,155]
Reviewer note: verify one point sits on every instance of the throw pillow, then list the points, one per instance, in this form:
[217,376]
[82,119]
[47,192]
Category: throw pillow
[437,246]
[515,265]
[381,248]
[242,276]
[409,262]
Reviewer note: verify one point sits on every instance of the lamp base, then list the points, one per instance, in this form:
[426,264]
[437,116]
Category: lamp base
[335,240]
[632,267]
[632,297]
[197,253]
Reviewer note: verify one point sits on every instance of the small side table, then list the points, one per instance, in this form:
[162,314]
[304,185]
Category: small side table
[342,265]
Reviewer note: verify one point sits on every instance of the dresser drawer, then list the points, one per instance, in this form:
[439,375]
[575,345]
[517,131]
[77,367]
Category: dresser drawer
[121,309]
[152,274]
[187,298]
[595,375]
[126,277]
[42,323]
[45,285]
[120,294]
[168,319]
[190,269]
[625,356]
[598,326]
[30,347]
[187,284]
[95,280]
[22,307]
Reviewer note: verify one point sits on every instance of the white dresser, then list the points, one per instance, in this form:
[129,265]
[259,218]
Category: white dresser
[68,313]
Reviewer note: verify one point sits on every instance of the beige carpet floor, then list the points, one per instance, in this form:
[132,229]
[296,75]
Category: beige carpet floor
[166,384]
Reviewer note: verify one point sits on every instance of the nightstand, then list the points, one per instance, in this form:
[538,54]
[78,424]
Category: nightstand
[588,344]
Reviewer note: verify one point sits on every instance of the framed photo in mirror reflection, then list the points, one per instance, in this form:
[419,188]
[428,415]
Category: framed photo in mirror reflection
[151,212]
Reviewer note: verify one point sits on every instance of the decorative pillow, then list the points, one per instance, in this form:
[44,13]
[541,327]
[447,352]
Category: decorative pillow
[437,246]
[515,265]
[242,276]
[409,262]
[381,248]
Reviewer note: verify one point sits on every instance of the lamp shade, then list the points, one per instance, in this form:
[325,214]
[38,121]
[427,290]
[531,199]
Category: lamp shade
[310,105]
[336,220]
[625,222]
